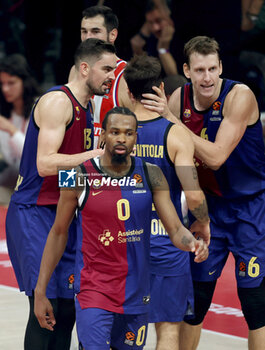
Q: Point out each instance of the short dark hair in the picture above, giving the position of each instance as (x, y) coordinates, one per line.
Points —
(91, 50)
(118, 110)
(202, 45)
(141, 74)
(110, 19)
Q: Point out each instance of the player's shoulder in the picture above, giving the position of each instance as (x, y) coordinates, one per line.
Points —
(240, 93)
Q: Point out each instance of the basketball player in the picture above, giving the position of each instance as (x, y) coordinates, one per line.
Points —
(171, 148)
(60, 133)
(112, 275)
(100, 22)
(222, 118)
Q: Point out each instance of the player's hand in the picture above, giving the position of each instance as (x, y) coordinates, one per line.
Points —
(156, 102)
(95, 153)
(201, 230)
(201, 251)
(44, 312)
(167, 33)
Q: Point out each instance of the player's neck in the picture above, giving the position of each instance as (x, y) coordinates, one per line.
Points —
(82, 95)
(143, 113)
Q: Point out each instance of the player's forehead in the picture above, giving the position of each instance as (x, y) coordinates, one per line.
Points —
(93, 22)
(107, 60)
(199, 60)
(121, 122)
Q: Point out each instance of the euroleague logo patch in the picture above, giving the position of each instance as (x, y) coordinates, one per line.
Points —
(217, 106)
(139, 180)
(129, 338)
(71, 280)
(242, 269)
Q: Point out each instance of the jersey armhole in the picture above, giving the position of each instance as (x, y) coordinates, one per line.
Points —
(147, 175)
(85, 193)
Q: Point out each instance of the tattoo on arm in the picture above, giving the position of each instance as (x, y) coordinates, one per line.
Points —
(201, 212)
(195, 174)
(185, 240)
(155, 175)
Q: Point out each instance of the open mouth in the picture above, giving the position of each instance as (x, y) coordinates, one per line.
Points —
(207, 87)
(120, 149)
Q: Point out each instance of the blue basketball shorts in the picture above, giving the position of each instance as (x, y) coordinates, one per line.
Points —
(99, 329)
(237, 227)
(27, 228)
(171, 298)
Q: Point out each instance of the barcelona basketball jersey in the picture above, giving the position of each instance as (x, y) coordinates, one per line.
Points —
(113, 240)
(243, 173)
(151, 145)
(34, 189)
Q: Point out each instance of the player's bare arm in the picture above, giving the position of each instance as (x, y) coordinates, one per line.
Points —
(181, 150)
(53, 251)
(240, 110)
(179, 235)
(52, 115)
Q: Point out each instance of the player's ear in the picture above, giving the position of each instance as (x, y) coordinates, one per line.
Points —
(186, 70)
(221, 67)
(113, 35)
(84, 68)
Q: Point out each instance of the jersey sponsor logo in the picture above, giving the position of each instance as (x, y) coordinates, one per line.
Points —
(152, 151)
(67, 178)
(215, 119)
(187, 113)
(129, 236)
(96, 193)
(139, 191)
(217, 105)
(106, 238)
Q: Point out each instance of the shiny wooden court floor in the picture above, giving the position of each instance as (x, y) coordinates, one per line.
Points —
(14, 311)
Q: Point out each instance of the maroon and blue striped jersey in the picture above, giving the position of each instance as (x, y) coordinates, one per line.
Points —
(243, 173)
(113, 240)
(31, 187)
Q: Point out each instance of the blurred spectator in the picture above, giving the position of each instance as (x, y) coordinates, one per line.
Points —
(155, 37)
(17, 94)
(252, 51)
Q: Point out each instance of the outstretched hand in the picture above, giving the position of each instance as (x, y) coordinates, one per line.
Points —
(201, 250)
(44, 312)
